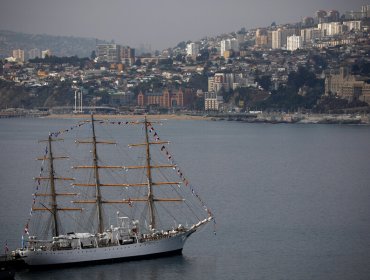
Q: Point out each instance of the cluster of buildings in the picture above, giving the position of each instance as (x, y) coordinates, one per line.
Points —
(342, 83)
(166, 99)
(235, 60)
(323, 35)
(19, 55)
(114, 53)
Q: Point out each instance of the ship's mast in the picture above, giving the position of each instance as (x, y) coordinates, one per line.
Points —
(97, 180)
(53, 193)
(149, 178)
(54, 208)
(149, 198)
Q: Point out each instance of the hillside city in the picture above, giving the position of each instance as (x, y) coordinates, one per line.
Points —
(318, 65)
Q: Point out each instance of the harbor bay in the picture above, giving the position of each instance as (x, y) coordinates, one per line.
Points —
(290, 201)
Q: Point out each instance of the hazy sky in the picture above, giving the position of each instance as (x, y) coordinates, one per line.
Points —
(160, 23)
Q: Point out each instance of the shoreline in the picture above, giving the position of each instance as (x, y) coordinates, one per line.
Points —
(248, 118)
(272, 118)
(126, 116)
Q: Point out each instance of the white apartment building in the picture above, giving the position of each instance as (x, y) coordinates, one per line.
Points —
(18, 55)
(294, 42)
(330, 28)
(279, 38)
(212, 102)
(192, 49)
(107, 52)
(365, 10)
(310, 34)
(353, 25)
(229, 44)
(33, 53)
(211, 84)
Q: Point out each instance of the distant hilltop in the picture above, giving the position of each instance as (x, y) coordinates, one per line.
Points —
(60, 45)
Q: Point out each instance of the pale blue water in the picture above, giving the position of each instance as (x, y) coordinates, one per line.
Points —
(291, 201)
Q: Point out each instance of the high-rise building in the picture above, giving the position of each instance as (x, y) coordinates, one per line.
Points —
(308, 21)
(219, 82)
(192, 49)
(353, 25)
(365, 10)
(276, 39)
(279, 38)
(354, 15)
(127, 55)
(107, 52)
(229, 44)
(310, 34)
(321, 16)
(294, 42)
(18, 55)
(333, 15)
(261, 38)
(33, 53)
(330, 28)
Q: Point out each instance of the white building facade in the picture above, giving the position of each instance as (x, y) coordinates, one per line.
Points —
(294, 42)
(192, 49)
(18, 55)
(212, 101)
(229, 44)
(330, 28)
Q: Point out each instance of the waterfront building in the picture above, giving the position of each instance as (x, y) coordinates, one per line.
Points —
(211, 84)
(122, 98)
(347, 86)
(212, 101)
(166, 99)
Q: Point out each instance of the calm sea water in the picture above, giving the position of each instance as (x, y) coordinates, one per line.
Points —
(291, 201)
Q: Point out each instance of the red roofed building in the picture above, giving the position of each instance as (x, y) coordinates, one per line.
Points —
(166, 98)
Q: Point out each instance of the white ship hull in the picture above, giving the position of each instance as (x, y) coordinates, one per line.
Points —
(166, 246)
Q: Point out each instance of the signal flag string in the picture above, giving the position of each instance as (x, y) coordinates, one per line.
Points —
(180, 174)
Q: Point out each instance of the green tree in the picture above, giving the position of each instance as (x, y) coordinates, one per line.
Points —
(264, 81)
(93, 55)
(198, 81)
(138, 62)
(288, 98)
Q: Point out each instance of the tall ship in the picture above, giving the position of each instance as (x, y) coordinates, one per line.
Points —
(117, 202)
